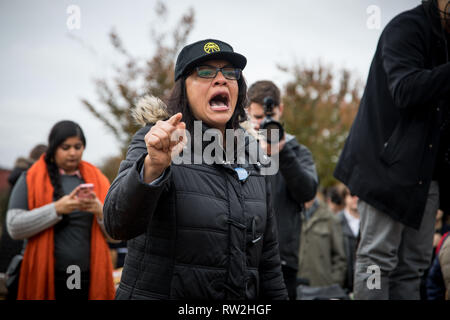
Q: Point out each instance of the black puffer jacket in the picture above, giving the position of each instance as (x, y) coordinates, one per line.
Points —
(199, 233)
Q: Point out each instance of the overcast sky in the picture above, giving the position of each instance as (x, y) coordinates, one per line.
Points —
(44, 72)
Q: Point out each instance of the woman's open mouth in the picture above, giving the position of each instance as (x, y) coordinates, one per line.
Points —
(220, 102)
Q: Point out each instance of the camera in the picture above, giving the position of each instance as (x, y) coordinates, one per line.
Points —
(269, 123)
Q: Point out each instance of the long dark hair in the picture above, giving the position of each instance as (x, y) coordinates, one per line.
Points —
(178, 102)
(60, 132)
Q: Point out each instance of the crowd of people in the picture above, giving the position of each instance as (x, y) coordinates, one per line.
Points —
(197, 212)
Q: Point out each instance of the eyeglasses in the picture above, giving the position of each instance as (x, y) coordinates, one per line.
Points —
(210, 72)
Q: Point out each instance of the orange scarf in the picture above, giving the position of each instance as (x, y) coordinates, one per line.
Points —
(37, 274)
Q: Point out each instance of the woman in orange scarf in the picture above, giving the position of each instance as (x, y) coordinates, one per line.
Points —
(66, 255)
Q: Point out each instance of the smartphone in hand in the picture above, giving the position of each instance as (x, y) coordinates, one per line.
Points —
(85, 190)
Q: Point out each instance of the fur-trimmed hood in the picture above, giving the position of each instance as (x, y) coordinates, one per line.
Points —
(150, 109)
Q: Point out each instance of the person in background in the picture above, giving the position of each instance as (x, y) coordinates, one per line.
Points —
(438, 278)
(294, 184)
(442, 226)
(322, 258)
(335, 198)
(9, 247)
(349, 218)
(22, 164)
(444, 260)
(64, 232)
(430, 274)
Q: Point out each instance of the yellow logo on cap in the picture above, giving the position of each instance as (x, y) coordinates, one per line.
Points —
(211, 47)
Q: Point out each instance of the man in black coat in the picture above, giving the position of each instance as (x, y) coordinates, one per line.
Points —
(396, 158)
(350, 220)
(294, 184)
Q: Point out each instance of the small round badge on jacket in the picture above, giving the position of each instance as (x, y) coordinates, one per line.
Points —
(242, 173)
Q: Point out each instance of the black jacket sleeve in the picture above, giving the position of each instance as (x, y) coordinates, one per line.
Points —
(299, 171)
(272, 283)
(404, 54)
(130, 202)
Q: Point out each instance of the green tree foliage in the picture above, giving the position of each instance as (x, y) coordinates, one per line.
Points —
(137, 77)
(319, 110)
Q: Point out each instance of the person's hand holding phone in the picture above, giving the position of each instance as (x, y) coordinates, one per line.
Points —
(89, 201)
(68, 203)
(85, 191)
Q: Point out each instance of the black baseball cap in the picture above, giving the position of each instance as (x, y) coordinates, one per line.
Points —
(203, 50)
